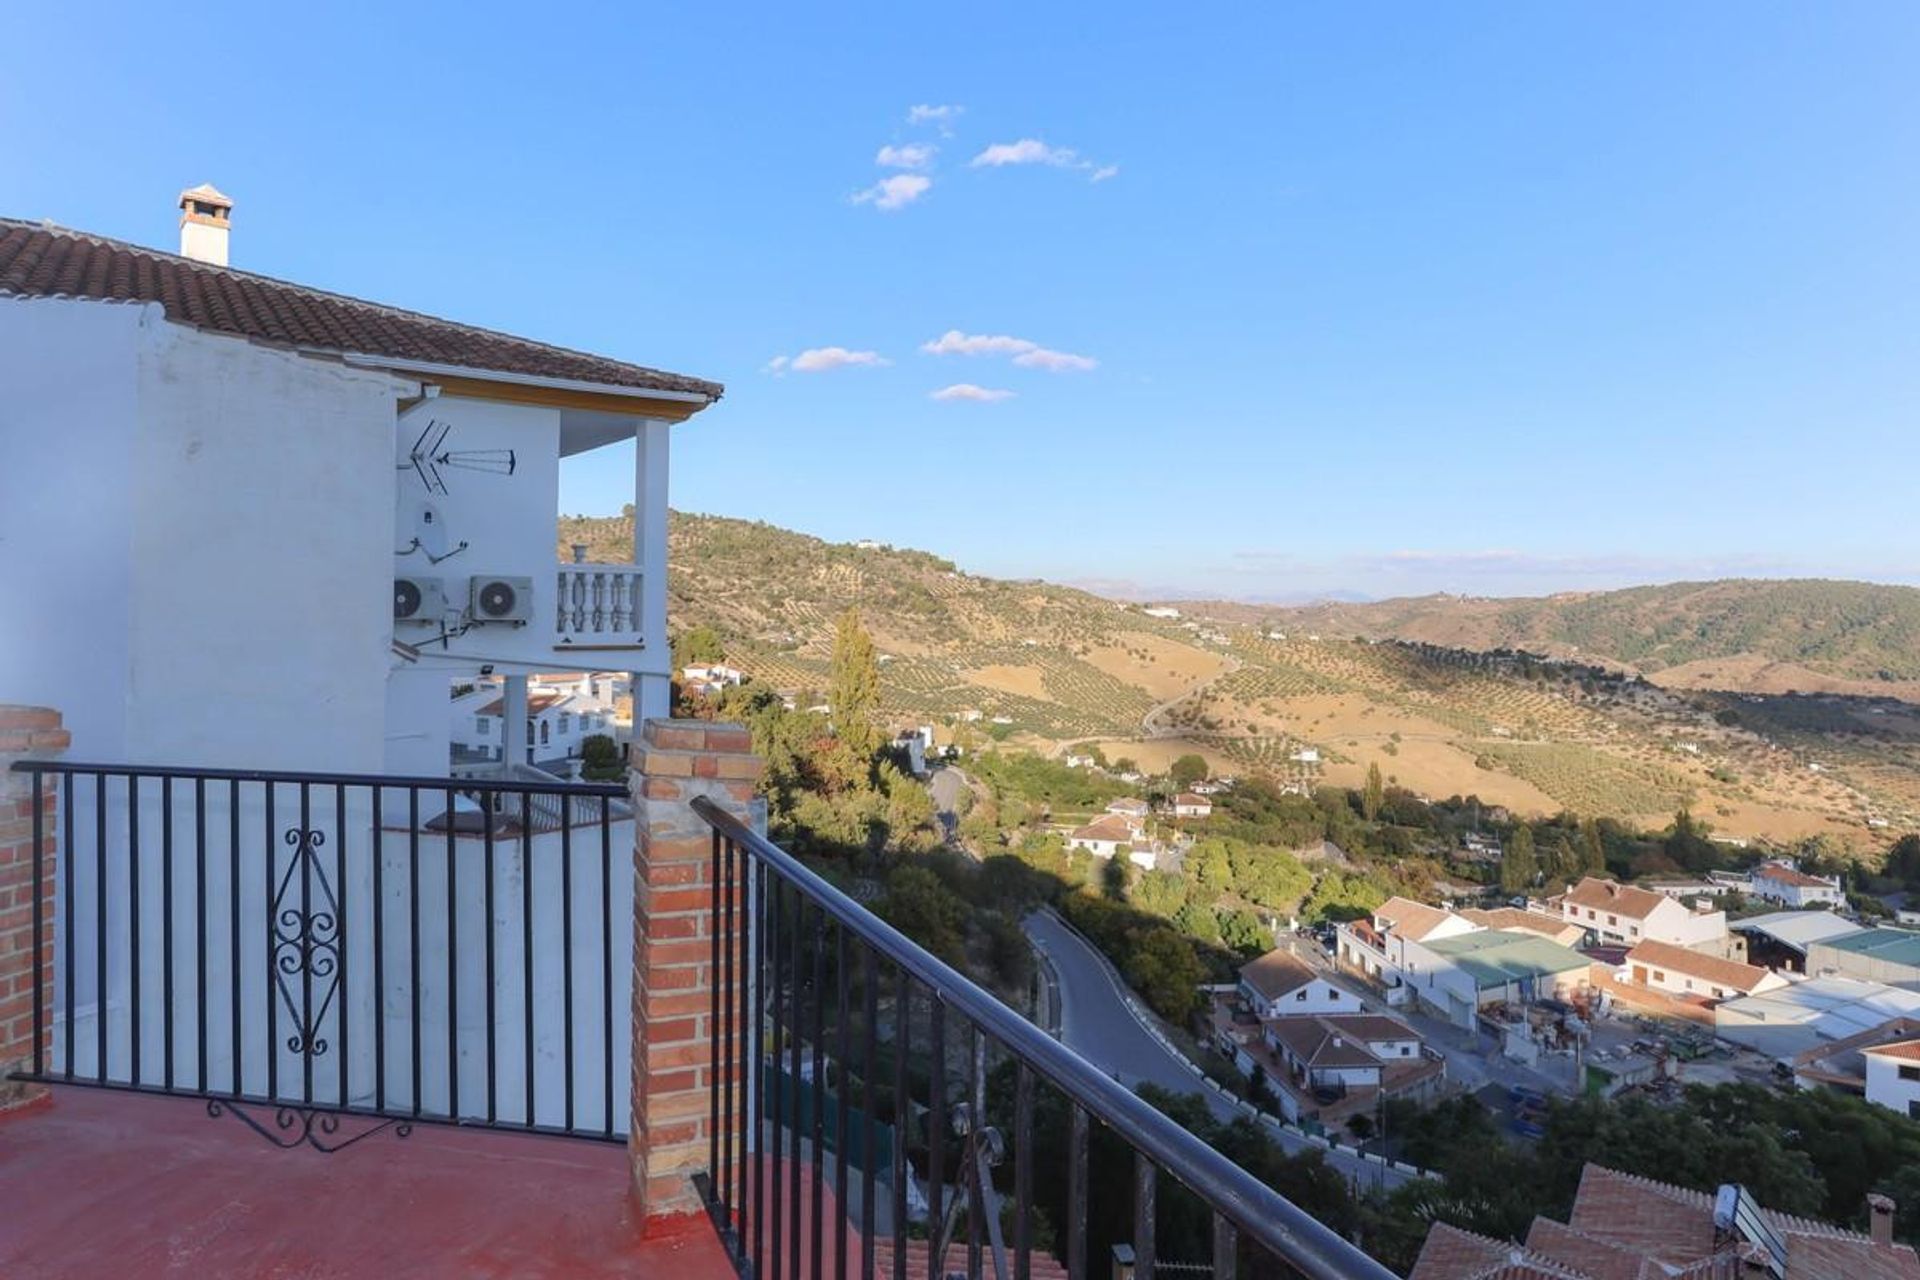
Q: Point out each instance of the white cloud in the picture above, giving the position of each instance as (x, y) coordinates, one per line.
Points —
(822, 359)
(942, 115)
(1025, 151)
(1025, 352)
(895, 193)
(968, 391)
(1034, 151)
(1055, 361)
(912, 155)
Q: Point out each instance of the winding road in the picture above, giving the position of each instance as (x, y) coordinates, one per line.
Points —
(1098, 1021)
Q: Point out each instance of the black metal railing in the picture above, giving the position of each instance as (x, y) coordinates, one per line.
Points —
(315, 946)
(847, 1053)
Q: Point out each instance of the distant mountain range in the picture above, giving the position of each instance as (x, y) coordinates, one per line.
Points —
(1762, 635)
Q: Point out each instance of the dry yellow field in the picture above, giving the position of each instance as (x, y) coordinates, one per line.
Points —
(1167, 669)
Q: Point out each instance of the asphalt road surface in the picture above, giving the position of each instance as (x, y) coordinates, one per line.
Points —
(1096, 1023)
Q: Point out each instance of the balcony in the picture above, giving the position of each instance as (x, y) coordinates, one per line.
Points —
(287, 1032)
(598, 606)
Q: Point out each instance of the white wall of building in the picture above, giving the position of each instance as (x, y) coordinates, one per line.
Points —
(1317, 996)
(1893, 1083)
(202, 520)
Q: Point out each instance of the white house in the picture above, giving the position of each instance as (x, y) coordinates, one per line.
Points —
(207, 444)
(1130, 807)
(1662, 966)
(1189, 805)
(1161, 611)
(1104, 837)
(1893, 1076)
(1786, 884)
(1280, 984)
(558, 722)
(269, 529)
(711, 677)
(1620, 913)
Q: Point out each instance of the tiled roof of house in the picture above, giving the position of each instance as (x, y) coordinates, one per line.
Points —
(1277, 973)
(1781, 873)
(1715, 969)
(1453, 1254)
(1905, 1050)
(1322, 1042)
(1514, 920)
(45, 261)
(1409, 919)
(1619, 899)
(1631, 1228)
(1112, 827)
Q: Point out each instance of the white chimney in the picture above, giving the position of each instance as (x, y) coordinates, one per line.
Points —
(205, 217)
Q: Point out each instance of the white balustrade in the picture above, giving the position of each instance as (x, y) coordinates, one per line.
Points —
(598, 604)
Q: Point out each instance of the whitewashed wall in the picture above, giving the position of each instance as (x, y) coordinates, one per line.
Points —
(198, 526)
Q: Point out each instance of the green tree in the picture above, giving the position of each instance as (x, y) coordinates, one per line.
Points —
(853, 690)
(919, 904)
(1159, 893)
(696, 646)
(1593, 850)
(600, 759)
(1187, 770)
(1903, 861)
(1162, 968)
(1375, 793)
(1518, 866)
(1198, 923)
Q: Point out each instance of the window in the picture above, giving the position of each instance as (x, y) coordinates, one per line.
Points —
(1301, 994)
(1689, 984)
(1613, 920)
(566, 721)
(483, 726)
(1633, 930)
(1658, 976)
(1590, 914)
(1406, 1051)
(1913, 1110)
(1719, 993)
(1910, 1073)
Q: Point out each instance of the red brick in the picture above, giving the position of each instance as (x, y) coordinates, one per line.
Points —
(14, 716)
(678, 737)
(729, 737)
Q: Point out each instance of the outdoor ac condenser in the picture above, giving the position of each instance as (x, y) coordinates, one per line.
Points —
(422, 600)
(508, 600)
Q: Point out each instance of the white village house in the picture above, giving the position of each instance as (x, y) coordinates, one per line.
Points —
(269, 529)
(1619, 913)
(1279, 984)
(365, 495)
(1786, 884)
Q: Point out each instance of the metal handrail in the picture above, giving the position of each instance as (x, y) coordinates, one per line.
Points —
(1262, 1214)
(386, 781)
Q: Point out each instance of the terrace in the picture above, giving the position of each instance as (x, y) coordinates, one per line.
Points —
(260, 1027)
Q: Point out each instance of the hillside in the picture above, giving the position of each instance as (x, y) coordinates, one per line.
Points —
(1761, 635)
(1292, 693)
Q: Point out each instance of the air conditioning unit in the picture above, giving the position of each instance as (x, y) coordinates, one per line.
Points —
(422, 600)
(501, 600)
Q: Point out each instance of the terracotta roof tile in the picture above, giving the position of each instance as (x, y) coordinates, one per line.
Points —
(1409, 919)
(1277, 973)
(40, 260)
(1907, 1050)
(1620, 899)
(1716, 969)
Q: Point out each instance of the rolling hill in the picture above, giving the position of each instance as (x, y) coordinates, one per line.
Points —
(1317, 694)
(1755, 634)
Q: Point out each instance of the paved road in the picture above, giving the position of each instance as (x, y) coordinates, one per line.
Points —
(948, 784)
(1096, 1022)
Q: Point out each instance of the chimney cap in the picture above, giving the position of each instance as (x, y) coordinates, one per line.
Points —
(206, 193)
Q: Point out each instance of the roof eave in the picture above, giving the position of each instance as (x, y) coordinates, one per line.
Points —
(565, 393)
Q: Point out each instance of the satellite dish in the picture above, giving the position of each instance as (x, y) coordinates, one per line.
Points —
(430, 527)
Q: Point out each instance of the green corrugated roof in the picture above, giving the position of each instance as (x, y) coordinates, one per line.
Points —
(1898, 946)
(1493, 958)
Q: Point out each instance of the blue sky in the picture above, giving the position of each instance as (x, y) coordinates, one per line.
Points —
(1377, 298)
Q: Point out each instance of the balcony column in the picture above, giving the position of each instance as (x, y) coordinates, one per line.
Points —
(652, 685)
(513, 722)
(26, 733)
(674, 1066)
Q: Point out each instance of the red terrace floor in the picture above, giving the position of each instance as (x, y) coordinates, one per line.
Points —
(109, 1184)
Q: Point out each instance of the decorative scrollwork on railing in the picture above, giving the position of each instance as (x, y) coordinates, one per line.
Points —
(306, 941)
(292, 1126)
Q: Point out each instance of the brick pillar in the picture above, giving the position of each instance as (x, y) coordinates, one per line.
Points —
(25, 732)
(673, 1044)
